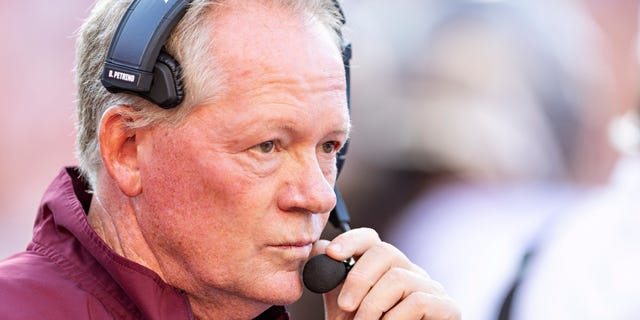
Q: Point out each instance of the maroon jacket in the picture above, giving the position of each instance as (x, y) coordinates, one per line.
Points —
(68, 272)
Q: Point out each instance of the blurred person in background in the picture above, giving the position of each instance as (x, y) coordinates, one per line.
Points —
(585, 266)
(496, 117)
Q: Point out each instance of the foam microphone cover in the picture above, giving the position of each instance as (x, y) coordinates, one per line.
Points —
(322, 274)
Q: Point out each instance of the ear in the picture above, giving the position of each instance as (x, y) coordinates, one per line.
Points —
(118, 148)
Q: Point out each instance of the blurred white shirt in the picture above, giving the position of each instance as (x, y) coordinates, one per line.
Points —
(588, 266)
(471, 237)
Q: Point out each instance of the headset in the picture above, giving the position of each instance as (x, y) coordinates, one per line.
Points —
(136, 63)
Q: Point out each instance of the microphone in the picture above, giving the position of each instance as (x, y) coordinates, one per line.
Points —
(321, 273)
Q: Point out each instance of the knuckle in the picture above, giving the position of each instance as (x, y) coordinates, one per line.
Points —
(419, 270)
(369, 306)
(397, 275)
(387, 249)
(434, 306)
(392, 254)
(360, 279)
(370, 233)
(419, 301)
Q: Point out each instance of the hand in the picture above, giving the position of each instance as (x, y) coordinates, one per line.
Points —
(383, 284)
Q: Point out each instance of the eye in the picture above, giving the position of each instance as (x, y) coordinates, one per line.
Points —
(329, 147)
(266, 147)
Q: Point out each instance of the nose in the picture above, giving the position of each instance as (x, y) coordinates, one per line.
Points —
(307, 188)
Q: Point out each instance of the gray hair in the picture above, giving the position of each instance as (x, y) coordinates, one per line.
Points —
(190, 43)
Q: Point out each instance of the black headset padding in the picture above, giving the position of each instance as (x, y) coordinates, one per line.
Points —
(170, 92)
(132, 64)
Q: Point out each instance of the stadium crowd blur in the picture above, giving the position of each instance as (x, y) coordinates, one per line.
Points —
(486, 130)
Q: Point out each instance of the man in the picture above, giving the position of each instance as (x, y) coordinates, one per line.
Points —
(209, 210)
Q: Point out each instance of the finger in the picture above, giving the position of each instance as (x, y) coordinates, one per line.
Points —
(424, 306)
(396, 285)
(319, 247)
(369, 269)
(344, 246)
(352, 243)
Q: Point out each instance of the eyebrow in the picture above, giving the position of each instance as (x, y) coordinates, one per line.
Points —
(345, 130)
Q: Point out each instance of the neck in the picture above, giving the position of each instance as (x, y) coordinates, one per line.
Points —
(119, 229)
(225, 307)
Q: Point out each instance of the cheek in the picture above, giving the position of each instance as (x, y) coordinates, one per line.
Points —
(197, 212)
(178, 171)
(186, 187)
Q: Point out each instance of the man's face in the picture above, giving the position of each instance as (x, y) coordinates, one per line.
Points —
(233, 198)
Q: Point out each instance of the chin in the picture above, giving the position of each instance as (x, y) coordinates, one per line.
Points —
(284, 290)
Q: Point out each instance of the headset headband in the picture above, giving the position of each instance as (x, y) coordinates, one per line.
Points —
(131, 61)
(136, 65)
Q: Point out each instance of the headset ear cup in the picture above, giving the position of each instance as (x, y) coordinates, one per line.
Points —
(166, 60)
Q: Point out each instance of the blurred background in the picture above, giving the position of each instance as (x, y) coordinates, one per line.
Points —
(481, 131)
(37, 112)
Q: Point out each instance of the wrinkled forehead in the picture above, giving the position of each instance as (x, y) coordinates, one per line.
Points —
(250, 44)
(242, 25)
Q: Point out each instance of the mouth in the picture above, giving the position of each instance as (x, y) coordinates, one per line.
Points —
(293, 244)
(296, 249)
